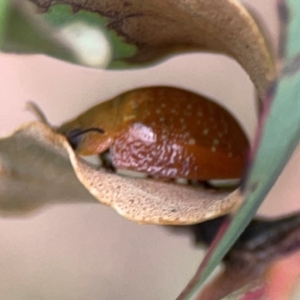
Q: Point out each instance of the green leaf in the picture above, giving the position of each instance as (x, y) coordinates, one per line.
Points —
(276, 140)
(21, 32)
(4, 7)
(63, 18)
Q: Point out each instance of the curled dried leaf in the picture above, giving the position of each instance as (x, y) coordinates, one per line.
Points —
(37, 160)
(34, 172)
(157, 28)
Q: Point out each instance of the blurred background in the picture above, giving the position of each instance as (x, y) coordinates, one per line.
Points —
(87, 251)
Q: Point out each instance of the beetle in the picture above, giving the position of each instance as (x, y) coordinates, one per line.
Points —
(164, 132)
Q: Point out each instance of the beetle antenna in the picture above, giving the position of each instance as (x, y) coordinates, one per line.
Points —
(33, 108)
(92, 129)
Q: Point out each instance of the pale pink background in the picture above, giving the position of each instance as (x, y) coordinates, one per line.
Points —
(87, 251)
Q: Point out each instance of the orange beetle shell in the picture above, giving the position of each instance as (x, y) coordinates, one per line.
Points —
(165, 132)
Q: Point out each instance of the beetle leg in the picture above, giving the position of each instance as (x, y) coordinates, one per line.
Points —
(207, 185)
(204, 183)
(106, 161)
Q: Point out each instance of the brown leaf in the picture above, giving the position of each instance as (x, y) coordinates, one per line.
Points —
(35, 170)
(162, 27)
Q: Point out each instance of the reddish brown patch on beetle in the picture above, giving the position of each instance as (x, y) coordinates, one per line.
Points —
(169, 132)
(179, 134)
